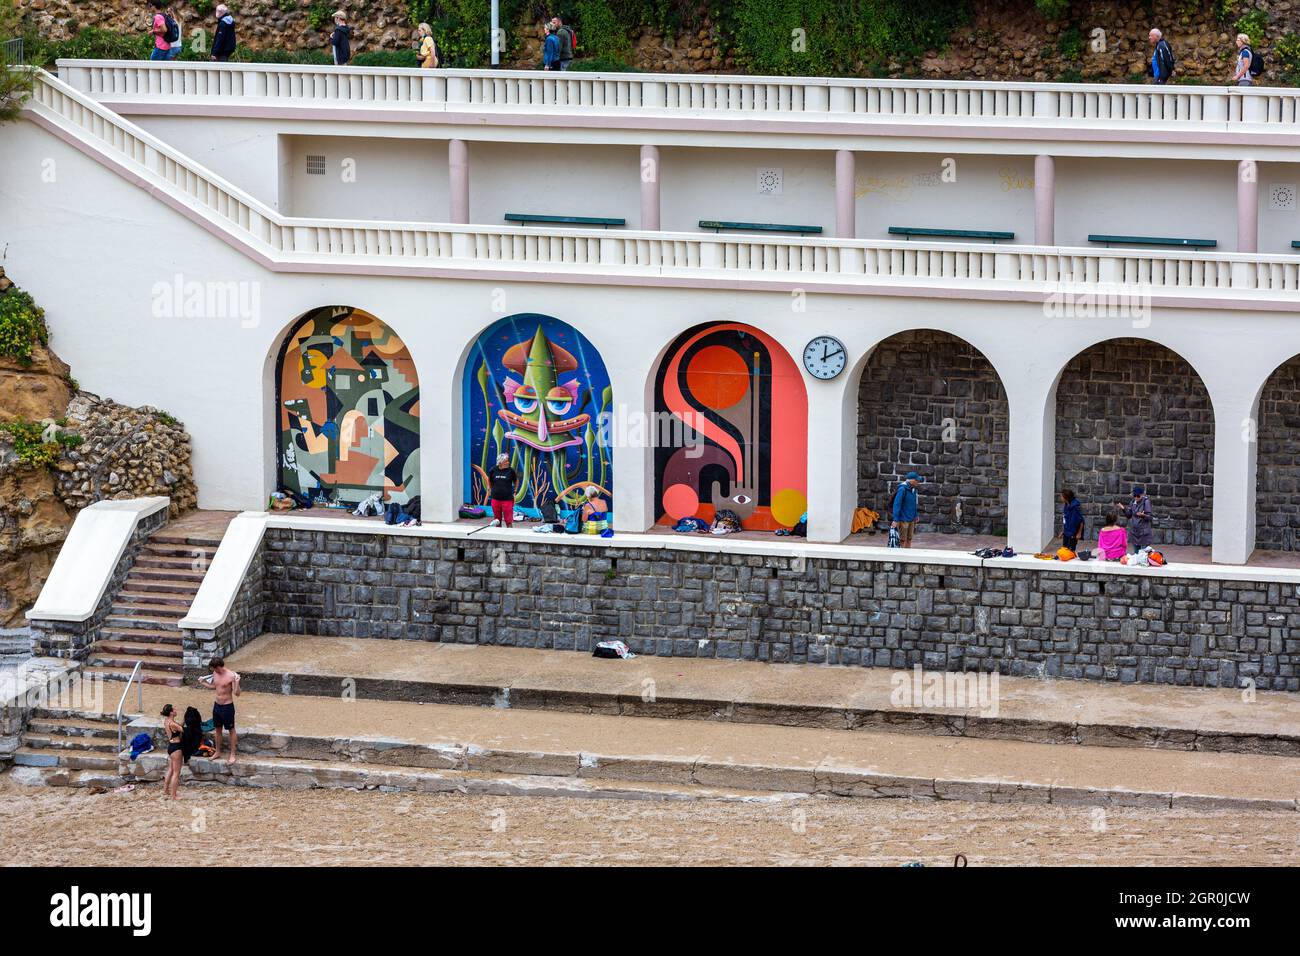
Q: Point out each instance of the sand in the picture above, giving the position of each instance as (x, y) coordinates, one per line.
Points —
(59, 826)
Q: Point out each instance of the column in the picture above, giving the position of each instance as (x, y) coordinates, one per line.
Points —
(832, 457)
(1247, 207)
(458, 166)
(1235, 449)
(1031, 466)
(650, 188)
(1044, 201)
(845, 201)
(632, 440)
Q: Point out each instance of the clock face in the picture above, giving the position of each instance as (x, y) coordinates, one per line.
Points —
(824, 357)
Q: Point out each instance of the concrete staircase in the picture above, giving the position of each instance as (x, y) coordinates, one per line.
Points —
(142, 622)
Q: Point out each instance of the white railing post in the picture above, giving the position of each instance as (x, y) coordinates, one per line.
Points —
(304, 239)
(460, 244)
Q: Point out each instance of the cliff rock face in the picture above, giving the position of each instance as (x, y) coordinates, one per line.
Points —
(1097, 40)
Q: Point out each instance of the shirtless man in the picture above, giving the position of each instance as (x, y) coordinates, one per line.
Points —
(225, 683)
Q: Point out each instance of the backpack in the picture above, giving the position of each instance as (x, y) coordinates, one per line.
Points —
(1173, 62)
(171, 31)
(1256, 62)
(573, 522)
(568, 42)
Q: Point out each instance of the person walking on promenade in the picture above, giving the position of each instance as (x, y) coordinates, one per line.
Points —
(502, 481)
(568, 42)
(223, 41)
(904, 509)
(341, 39)
(1245, 74)
(1071, 520)
(1162, 57)
(225, 685)
(550, 49)
(166, 32)
(426, 49)
(1138, 518)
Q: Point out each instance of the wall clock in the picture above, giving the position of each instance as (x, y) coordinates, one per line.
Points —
(824, 357)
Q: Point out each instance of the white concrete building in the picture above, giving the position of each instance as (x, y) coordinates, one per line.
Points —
(180, 222)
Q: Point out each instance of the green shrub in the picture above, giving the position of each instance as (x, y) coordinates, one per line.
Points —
(29, 447)
(387, 58)
(1052, 9)
(1286, 59)
(22, 325)
(1071, 43)
(599, 64)
(1255, 25)
(602, 34)
(1070, 75)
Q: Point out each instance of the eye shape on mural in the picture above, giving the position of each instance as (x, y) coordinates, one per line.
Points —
(559, 406)
(525, 405)
(742, 499)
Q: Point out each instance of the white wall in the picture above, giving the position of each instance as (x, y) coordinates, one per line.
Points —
(722, 184)
(246, 152)
(101, 256)
(1278, 228)
(931, 190)
(553, 180)
(367, 178)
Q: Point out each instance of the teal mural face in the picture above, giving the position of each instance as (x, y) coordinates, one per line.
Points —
(348, 409)
(537, 391)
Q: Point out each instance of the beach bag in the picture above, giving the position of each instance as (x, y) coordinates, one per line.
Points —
(472, 511)
(573, 522)
(1065, 554)
(1156, 559)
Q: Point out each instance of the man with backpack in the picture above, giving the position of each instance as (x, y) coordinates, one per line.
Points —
(568, 42)
(903, 510)
(166, 33)
(1162, 57)
(1249, 63)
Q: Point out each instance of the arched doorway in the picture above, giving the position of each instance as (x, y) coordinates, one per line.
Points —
(536, 389)
(348, 409)
(930, 402)
(1132, 412)
(732, 404)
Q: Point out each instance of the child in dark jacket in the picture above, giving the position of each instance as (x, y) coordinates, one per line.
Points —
(1071, 520)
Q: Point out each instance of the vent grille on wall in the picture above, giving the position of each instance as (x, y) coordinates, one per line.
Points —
(315, 165)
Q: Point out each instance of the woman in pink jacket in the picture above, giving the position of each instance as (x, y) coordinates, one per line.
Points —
(1112, 540)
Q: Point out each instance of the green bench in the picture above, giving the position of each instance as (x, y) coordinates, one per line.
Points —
(989, 234)
(717, 226)
(524, 217)
(1295, 243)
(1155, 241)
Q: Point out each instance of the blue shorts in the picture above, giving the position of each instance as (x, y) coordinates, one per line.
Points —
(223, 716)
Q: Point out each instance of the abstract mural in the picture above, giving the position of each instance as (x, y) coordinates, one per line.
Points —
(535, 389)
(349, 409)
(741, 402)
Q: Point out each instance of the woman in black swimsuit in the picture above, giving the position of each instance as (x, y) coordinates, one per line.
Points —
(173, 731)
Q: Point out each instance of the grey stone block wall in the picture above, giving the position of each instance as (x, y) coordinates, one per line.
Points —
(931, 403)
(1277, 482)
(70, 639)
(1128, 412)
(560, 595)
(244, 622)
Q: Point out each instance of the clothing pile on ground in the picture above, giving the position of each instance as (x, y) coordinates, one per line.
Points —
(612, 649)
(691, 526)
(1007, 552)
(725, 521)
(864, 519)
(800, 530)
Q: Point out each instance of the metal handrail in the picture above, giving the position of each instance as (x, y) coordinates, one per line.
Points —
(122, 703)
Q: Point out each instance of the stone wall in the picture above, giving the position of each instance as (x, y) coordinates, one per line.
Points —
(244, 622)
(1277, 482)
(69, 639)
(1003, 39)
(1130, 412)
(932, 403)
(1054, 623)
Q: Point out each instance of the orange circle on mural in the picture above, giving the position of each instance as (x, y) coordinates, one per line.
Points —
(680, 501)
(788, 506)
(717, 377)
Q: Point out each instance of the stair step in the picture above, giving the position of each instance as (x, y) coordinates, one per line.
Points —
(156, 611)
(165, 599)
(83, 717)
(147, 675)
(177, 537)
(72, 760)
(98, 658)
(72, 727)
(119, 623)
(190, 551)
(135, 650)
(177, 575)
(140, 635)
(137, 584)
(97, 745)
(163, 562)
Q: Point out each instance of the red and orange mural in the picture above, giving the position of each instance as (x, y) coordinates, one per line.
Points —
(742, 397)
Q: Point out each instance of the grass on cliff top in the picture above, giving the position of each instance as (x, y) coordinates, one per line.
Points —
(22, 325)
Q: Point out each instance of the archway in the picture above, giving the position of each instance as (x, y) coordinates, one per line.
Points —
(347, 409)
(1277, 475)
(535, 389)
(732, 429)
(930, 402)
(1132, 412)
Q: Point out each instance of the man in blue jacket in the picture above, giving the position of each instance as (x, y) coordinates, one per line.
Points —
(223, 41)
(1162, 58)
(904, 510)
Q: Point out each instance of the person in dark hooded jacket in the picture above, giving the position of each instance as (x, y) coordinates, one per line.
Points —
(223, 41)
(1140, 518)
(1071, 520)
(341, 39)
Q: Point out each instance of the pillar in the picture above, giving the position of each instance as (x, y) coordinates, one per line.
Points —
(458, 165)
(1044, 201)
(832, 457)
(845, 201)
(1247, 208)
(1235, 458)
(650, 188)
(1031, 466)
(632, 439)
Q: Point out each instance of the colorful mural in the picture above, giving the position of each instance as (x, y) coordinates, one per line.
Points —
(741, 405)
(349, 409)
(537, 390)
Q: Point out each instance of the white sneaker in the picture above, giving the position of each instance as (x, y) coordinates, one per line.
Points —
(495, 523)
